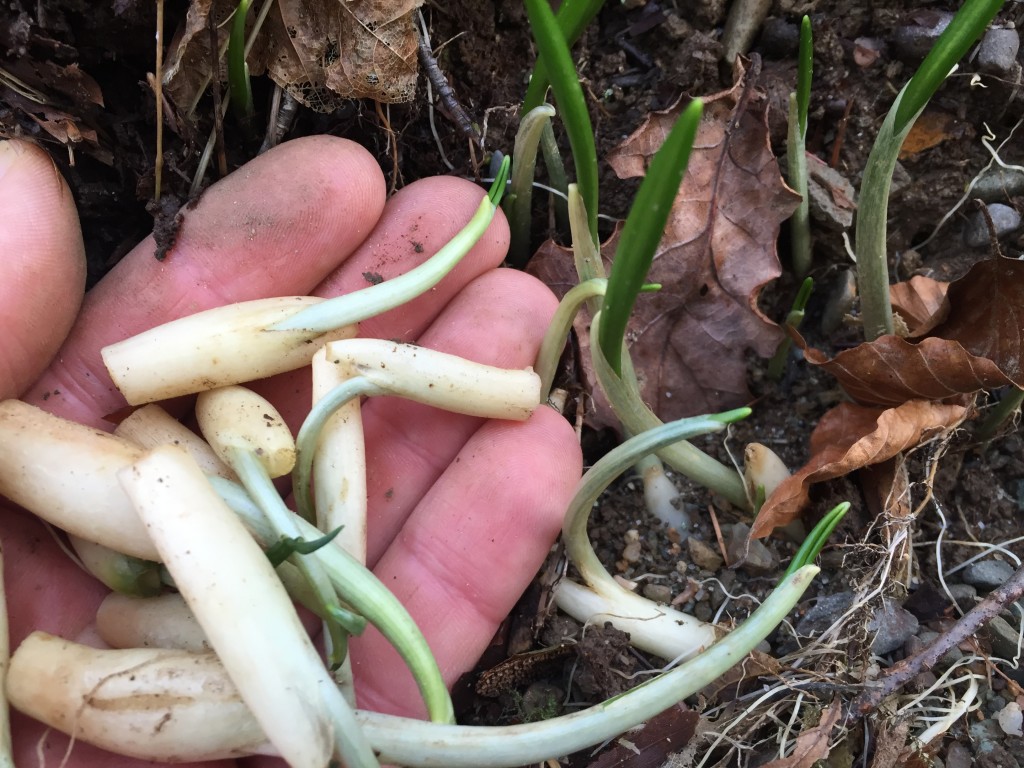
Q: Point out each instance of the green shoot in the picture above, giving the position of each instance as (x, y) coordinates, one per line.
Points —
(238, 71)
(288, 546)
(376, 299)
(552, 47)
(572, 18)
(873, 205)
(517, 204)
(816, 539)
(793, 320)
(806, 68)
(796, 157)
(1001, 413)
(642, 232)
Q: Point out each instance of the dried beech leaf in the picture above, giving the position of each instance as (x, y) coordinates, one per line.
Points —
(321, 51)
(813, 743)
(986, 314)
(849, 437)
(918, 300)
(689, 340)
(891, 370)
(972, 341)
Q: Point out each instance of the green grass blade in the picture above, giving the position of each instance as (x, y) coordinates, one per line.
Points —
(643, 230)
(805, 69)
(565, 83)
(238, 71)
(572, 18)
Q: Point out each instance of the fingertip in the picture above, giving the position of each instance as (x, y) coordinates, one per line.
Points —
(42, 263)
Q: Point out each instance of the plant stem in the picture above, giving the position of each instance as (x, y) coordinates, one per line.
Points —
(377, 299)
(571, 102)
(400, 740)
(873, 202)
(518, 203)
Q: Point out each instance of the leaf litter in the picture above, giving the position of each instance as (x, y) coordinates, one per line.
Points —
(689, 340)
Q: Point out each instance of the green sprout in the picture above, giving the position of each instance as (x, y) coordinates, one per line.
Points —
(552, 46)
(643, 230)
(796, 157)
(238, 71)
(873, 204)
(793, 320)
(816, 539)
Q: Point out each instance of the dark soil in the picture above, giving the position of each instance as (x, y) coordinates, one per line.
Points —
(638, 57)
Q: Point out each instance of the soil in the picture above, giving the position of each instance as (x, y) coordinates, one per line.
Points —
(638, 57)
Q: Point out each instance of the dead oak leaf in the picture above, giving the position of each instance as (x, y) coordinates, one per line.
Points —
(849, 437)
(688, 341)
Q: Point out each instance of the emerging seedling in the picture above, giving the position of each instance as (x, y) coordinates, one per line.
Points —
(796, 151)
(873, 201)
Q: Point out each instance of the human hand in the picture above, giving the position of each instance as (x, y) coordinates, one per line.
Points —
(461, 511)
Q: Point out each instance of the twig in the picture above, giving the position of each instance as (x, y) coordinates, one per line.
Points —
(158, 164)
(904, 671)
(444, 90)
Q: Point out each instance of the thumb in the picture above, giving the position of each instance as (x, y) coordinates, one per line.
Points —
(42, 264)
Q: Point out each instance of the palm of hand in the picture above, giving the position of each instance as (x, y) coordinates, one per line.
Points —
(452, 500)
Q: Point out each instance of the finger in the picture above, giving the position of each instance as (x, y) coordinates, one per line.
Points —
(275, 227)
(469, 551)
(499, 319)
(42, 264)
(417, 221)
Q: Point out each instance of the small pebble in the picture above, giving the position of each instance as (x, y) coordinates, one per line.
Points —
(824, 614)
(703, 555)
(749, 554)
(987, 575)
(914, 41)
(1004, 638)
(958, 756)
(1011, 719)
(891, 625)
(965, 595)
(659, 593)
(631, 552)
(998, 52)
(1004, 219)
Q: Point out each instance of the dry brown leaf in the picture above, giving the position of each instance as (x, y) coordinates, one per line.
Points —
(918, 300)
(812, 744)
(929, 130)
(849, 437)
(688, 341)
(321, 51)
(972, 341)
(648, 746)
(986, 314)
(891, 370)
